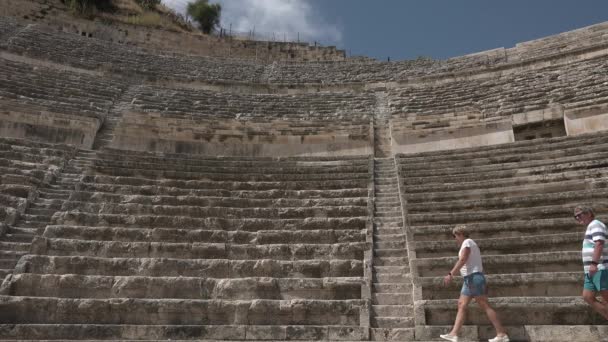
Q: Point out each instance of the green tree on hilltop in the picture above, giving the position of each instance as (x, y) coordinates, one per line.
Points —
(205, 14)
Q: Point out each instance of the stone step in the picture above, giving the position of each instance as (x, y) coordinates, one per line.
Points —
(404, 298)
(168, 267)
(196, 211)
(391, 261)
(540, 146)
(385, 209)
(556, 284)
(515, 311)
(392, 334)
(543, 211)
(175, 332)
(563, 261)
(174, 235)
(399, 252)
(119, 249)
(506, 159)
(396, 219)
(392, 278)
(7, 264)
(514, 176)
(391, 245)
(509, 191)
(385, 237)
(12, 237)
(211, 223)
(461, 188)
(392, 322)
(32, 225)
(11, 254)
(401, 269)
(167, 311)
(504, 245)
(41, 211)
(514, 228)
(42, 203)
(36, 218)
(390, 214)
(15, 246)
(396, 288)
(55, 196)
(395, 229)
(387, 201)
(392, 310)
(24, 231)
(102, 287)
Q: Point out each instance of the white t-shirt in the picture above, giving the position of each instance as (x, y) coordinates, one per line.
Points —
(473, 263)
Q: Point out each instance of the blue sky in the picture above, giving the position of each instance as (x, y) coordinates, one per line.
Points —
(406, 29)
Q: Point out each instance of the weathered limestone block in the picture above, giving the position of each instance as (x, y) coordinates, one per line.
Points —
(208, 236)
(214, 223)
(117, 249)
(218, 268)
(78, 286)
(187, 312)
(199, 211)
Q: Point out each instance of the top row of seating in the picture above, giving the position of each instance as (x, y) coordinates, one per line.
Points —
(91, 53)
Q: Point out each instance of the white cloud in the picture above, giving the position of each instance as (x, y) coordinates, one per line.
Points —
(278, 19)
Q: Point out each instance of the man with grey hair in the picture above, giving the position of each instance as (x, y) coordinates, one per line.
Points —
(595, 259)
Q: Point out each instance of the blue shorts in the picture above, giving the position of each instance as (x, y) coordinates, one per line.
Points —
(599, 282)
(474, 285)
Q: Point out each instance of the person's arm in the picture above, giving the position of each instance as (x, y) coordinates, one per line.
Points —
(461, 261)
(597, 256)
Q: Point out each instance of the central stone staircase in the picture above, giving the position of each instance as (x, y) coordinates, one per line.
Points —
(392, 309)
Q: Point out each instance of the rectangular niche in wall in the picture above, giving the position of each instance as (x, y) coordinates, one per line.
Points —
(539, 129)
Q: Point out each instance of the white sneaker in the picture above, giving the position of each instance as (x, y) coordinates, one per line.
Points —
(449, 337)
(504, 338)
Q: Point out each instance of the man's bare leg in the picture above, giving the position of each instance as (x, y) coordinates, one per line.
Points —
(601, 308)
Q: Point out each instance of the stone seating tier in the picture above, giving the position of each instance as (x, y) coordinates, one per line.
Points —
(8, 28)
(79, 286)
(25, 165)
(417, 107)
(212, 223)
(86, 188)
(184, 332)
(248, 239)
(261, 237)
(517, 200)
(93, 54)
(204, 268)
(56, 91)
(187, 312)
(201, 103)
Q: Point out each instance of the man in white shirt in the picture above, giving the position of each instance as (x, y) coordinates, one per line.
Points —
(471, 268)
(595, 259)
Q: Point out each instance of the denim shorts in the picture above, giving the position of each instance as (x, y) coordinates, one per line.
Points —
(599, 281)
(474, 285)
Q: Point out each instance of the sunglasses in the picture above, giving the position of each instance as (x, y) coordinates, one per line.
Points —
(578, 216)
